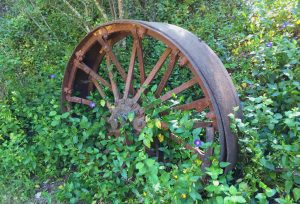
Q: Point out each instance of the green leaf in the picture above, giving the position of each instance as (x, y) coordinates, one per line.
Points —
(131, 116)
(139, 165)
(65, 115)
(84, 122)
(75, 139)
(261, 197)
(158, 124)
(238, 199)
(219, 200)
(296, 193)
(147, 142)
(55, 122)
(224, 164)
(153, 88)
(195, 195)
(288, 186)
(232, 190)
(211, 188)
(267, 164)
(52, 113)
(89, 150)
(102, 103)
(196, 132)
(149, 162)
(270, 192)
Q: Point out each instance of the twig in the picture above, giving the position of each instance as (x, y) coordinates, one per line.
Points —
(112, 9)
(66, 14)
(100, 10)
(43, 18)
(77, 14)
(34, 21)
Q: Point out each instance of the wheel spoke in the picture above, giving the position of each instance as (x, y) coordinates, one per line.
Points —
(101, 92)
(92, 73)
(162, 84)
(202, 124)
(141, 60)
(108, 49)
(95, 66)
(199, 105)
(113, 84)
(130, 70)
(183, 61)
(179, 89)
(152, 73)
(79, 100)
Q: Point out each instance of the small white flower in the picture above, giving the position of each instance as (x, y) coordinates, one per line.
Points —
(38, 195)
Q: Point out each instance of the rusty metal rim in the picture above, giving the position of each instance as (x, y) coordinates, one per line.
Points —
(185, 51)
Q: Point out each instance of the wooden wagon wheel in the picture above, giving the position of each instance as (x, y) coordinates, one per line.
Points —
(95, 65)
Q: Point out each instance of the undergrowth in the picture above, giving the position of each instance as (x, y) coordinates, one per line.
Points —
(258, 42)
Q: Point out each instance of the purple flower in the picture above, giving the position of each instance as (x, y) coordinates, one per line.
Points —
(285, 24)
(52, 76)
(269, 44)
(197, 143)
(92, 104)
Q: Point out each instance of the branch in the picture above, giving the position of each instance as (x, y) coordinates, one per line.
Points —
(120, 7)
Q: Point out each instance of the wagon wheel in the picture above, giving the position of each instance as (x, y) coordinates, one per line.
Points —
(95, 65)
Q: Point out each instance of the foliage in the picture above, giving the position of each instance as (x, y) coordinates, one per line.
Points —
(258, 42)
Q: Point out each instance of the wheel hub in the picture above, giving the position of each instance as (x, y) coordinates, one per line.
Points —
(124, 110)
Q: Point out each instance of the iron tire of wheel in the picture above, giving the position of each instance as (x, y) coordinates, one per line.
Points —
(208, 71)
